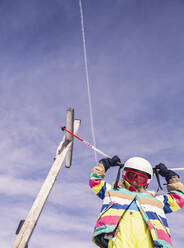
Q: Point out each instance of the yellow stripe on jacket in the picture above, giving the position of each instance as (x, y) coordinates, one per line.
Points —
(98, 187)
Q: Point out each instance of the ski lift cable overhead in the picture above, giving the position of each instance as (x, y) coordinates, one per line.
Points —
(87, 77)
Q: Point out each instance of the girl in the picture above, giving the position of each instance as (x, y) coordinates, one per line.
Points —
(131, 216)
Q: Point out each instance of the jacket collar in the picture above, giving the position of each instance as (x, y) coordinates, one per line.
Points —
(131, 188)
(128, 186)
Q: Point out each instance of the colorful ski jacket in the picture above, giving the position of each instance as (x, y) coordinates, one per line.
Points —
(152, 207)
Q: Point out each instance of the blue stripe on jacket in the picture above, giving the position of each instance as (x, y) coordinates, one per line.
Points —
(115, 206)
(167, 208)
(101, 193)
(153, 216)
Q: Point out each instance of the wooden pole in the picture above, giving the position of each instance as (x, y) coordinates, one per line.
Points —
(69, 126)
(37, 207)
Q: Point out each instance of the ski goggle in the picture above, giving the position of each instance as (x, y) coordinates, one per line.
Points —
(140, 178)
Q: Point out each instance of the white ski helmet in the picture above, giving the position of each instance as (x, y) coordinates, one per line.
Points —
(141, 164)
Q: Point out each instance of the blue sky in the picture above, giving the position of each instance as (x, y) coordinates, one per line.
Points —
(135, 60)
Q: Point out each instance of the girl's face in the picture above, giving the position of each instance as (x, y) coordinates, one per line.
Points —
(136, 178)
(137, 186)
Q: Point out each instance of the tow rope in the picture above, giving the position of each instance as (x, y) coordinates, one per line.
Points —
(155, 171)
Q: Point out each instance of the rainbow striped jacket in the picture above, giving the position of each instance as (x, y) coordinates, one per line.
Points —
(152, 207)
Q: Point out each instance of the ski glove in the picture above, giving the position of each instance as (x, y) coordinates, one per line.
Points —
(164, 172)
(109, 162)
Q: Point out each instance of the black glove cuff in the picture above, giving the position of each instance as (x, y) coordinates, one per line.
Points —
(106, 163)
(170, 174)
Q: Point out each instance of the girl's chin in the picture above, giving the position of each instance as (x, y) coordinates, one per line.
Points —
(137, 186)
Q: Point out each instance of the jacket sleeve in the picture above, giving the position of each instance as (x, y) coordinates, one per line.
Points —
(174, 199)
(97, 182)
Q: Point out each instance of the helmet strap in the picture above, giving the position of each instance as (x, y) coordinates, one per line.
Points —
(155, 171)
(118, 176)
